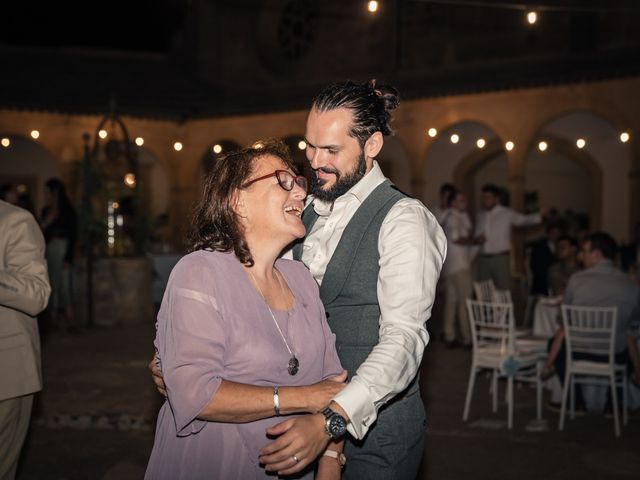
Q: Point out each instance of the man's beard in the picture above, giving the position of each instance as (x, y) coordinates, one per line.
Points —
(342, 184)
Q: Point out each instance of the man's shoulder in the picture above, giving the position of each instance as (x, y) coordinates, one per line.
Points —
(11, 216)
(410, 206)
(13, 212)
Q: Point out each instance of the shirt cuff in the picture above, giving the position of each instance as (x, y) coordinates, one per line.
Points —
(354, 399)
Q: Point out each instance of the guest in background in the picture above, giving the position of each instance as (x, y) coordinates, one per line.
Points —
(493, 231)
(9, 194)
(565, 265)
(457, 270)
(446, 190)
(24, 291)
(601, 284)
(543, 255)
(58, 221)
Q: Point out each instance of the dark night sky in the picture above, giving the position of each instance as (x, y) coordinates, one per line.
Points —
(138, 25)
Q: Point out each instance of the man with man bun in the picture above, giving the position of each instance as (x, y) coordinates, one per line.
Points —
(376, 254)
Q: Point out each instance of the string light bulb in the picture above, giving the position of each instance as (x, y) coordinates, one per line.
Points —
(542, 146)
(302, 145)
(509, 145)
(177, 146)
(139, 141)
(580, 143)
(455, 138)
(35, 134)
(102, 134)
(5, 142)
(432, 132)
(624, 137)
(372, 6)
(532, 17)
(130, 180)
(217, 148)
(480, 143)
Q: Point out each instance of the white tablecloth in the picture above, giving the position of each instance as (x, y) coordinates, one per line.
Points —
(546, 316)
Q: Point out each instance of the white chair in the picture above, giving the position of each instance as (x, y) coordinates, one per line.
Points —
(494, 346)
(500, 296)
(504, 296)
(592, 330)
(484, 290)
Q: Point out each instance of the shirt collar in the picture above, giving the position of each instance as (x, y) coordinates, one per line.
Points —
(360, 191)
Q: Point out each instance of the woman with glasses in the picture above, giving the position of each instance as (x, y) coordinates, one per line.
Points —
(242, 335)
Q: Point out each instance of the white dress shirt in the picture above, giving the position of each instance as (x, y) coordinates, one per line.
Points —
(412, 249)
(495, 225)
(456, 225)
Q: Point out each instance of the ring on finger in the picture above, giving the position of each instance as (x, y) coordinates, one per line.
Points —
(295, 459)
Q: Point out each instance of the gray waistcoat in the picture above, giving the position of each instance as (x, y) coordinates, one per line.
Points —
(393, 449)
(349, 286)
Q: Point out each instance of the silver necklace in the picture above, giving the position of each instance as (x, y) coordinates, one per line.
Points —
(294, 364)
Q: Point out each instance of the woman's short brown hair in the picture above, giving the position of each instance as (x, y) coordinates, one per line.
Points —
(216, 225)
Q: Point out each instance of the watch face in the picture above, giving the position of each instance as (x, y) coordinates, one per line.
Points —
(337, 426)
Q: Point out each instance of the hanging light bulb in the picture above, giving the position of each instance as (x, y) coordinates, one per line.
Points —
(542, 146)
(455, 138)
(130, 180)
(372, 6)
(481, 143)
(532, 17)
(509, 145)
(432, 132)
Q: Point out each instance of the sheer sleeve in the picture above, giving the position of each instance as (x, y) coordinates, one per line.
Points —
(191, 342)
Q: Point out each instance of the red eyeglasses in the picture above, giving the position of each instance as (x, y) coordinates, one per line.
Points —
(286, 180)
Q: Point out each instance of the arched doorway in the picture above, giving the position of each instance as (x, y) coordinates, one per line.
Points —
(587, 170)
(469, 154)
(395, 163)
(26, 165)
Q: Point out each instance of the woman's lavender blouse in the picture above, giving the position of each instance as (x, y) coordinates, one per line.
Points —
(214, 325)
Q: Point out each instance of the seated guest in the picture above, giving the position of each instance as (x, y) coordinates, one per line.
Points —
(565, 265)
(242, 336)
(602, 284)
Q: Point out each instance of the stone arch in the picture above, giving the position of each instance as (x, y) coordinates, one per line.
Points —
(458, 162)
(211, 155)
(294, 142)
(396, 163)
(26, 162)
(606, 160)
(585, 178)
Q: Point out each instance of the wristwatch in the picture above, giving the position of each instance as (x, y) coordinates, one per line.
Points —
(335, 423)
(339, 456)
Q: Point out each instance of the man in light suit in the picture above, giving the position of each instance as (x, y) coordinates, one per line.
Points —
(24, 292)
